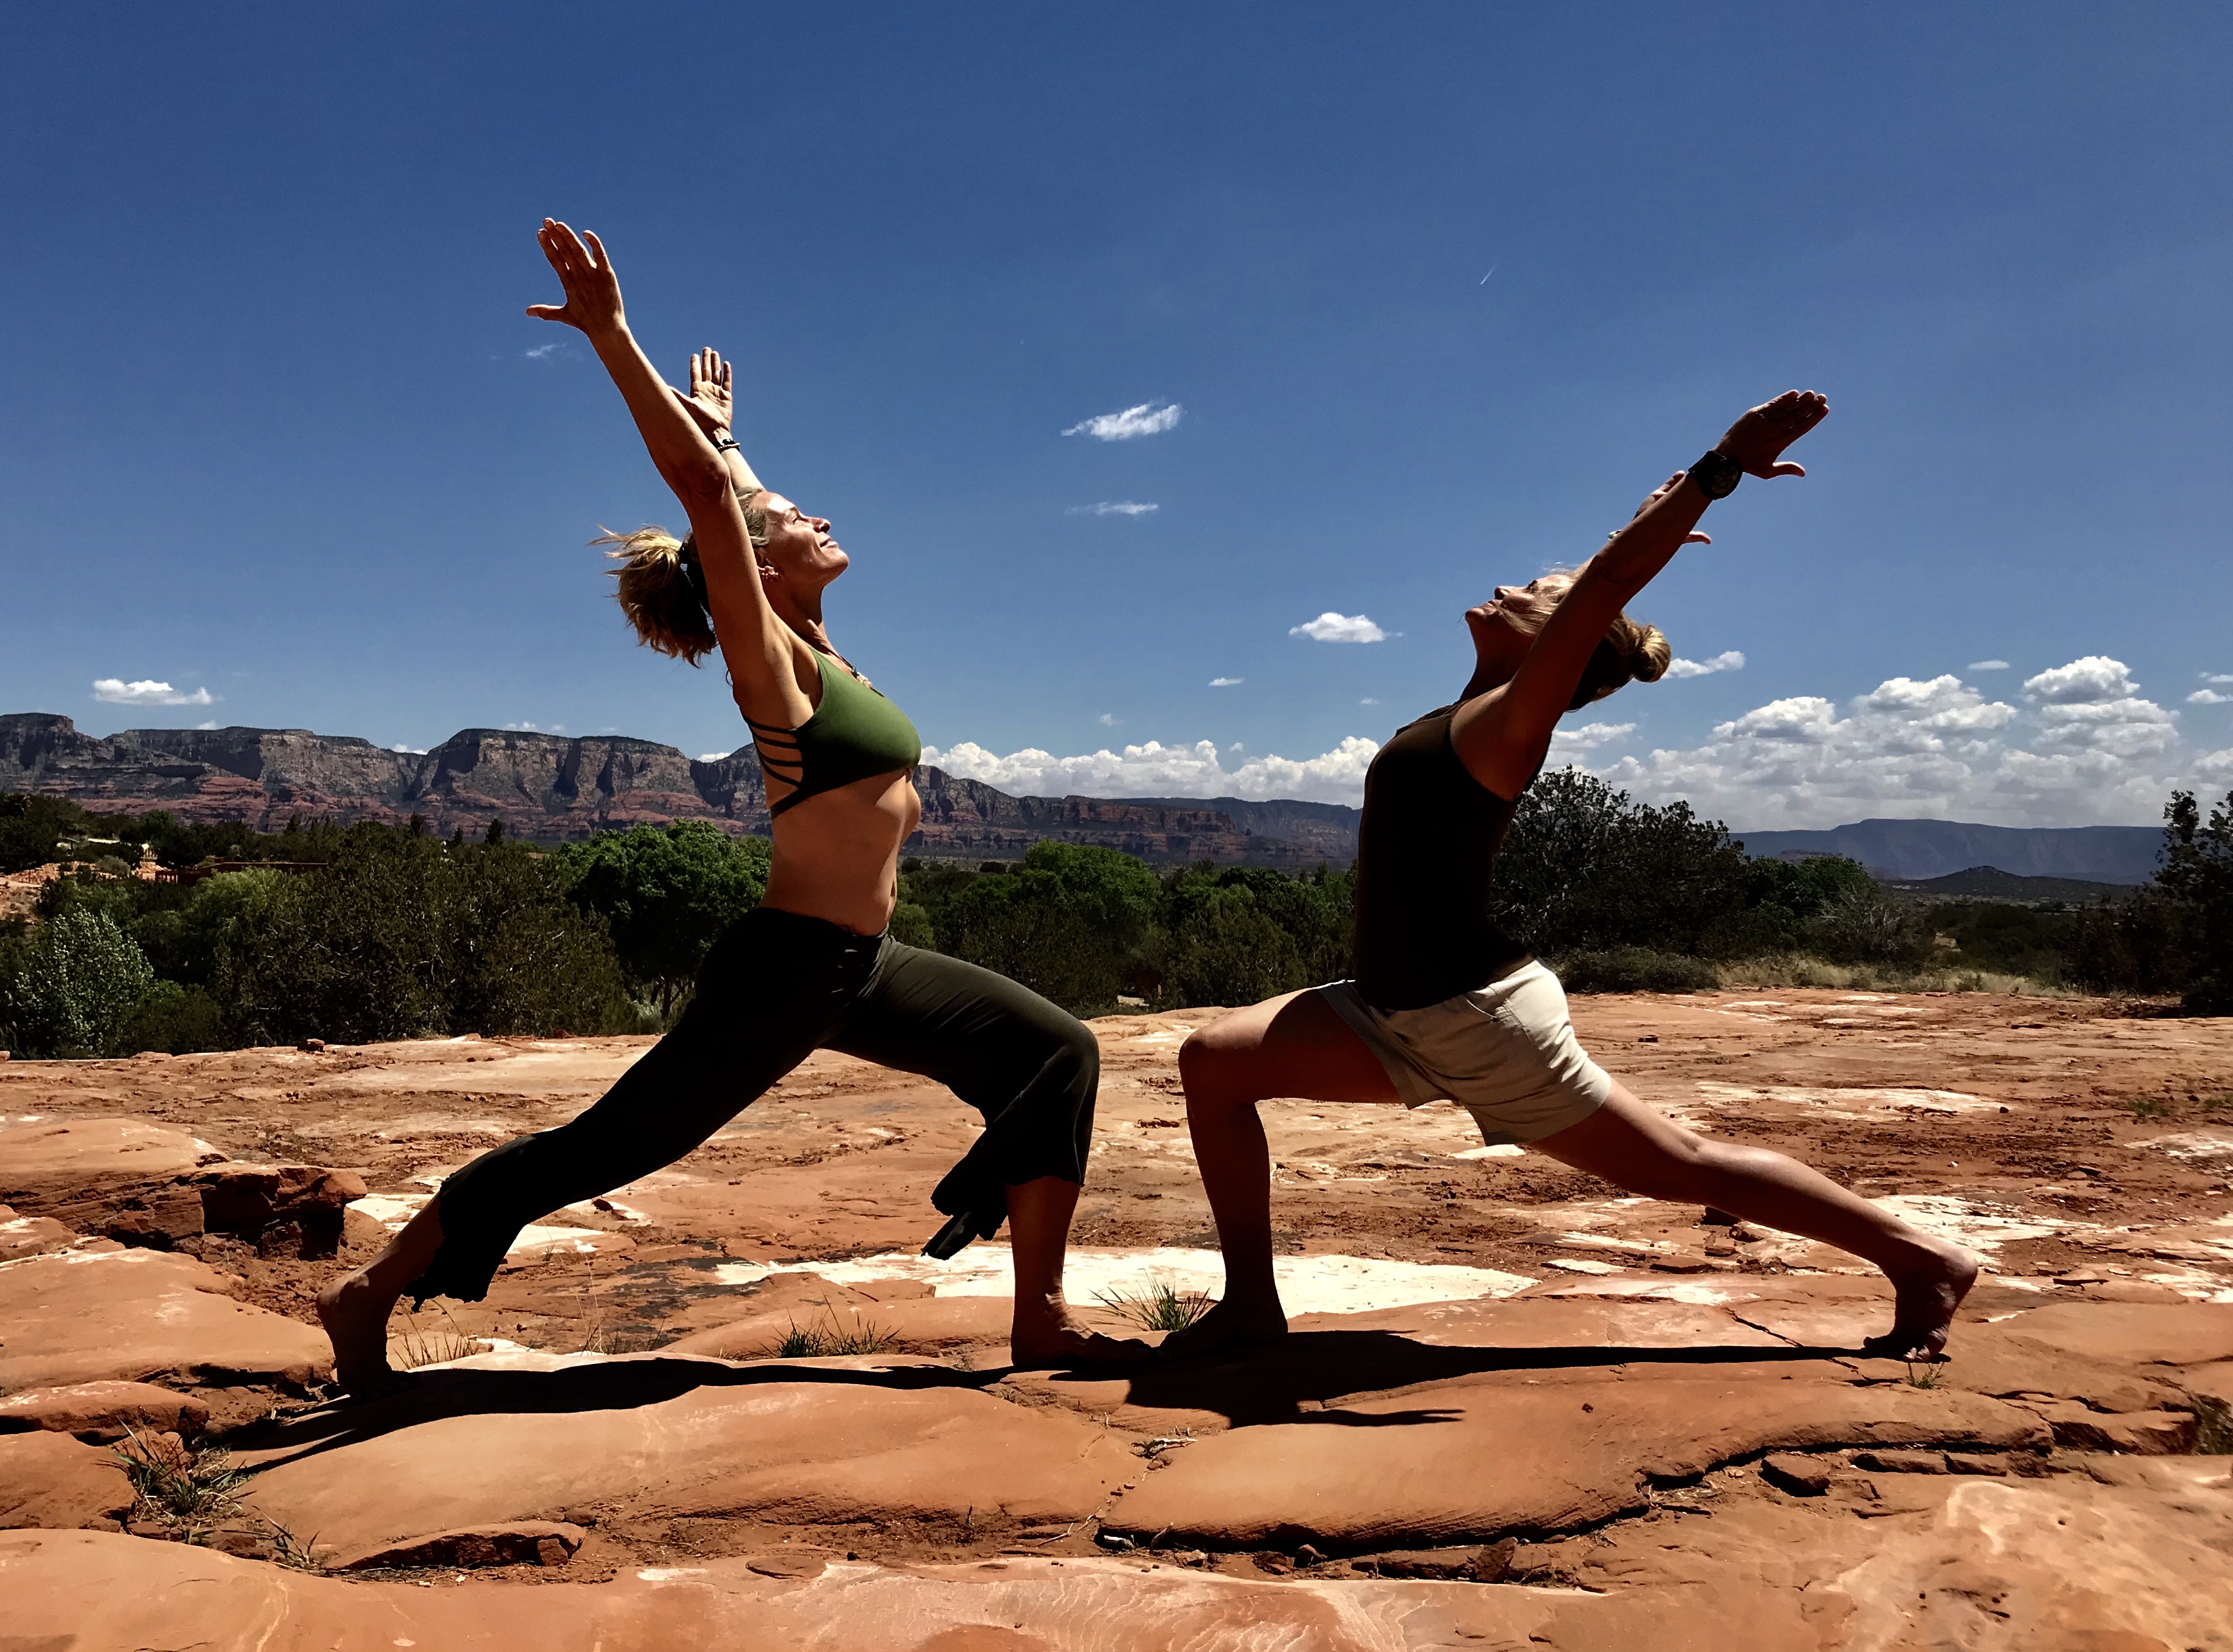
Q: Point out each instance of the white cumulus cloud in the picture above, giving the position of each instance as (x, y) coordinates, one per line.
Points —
(1590, 736)
(1146, 420)
(1110, 719)
(116, 691)
(536, 728)
(2087, 748)
(1154, 769)
(2217, 676)
(1114, 508)
(1987, 665)
(1732, 660)
(1330, 627)
(2208, 697)
(1227, 682)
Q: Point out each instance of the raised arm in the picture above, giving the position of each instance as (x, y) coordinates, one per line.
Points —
(761, 652)
(1502, 735)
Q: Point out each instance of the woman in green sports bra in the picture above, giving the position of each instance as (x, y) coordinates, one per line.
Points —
(813, 966)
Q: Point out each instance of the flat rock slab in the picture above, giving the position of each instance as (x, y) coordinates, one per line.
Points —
(670, 1436)
(2134, 1333)
(48, 1159)
(128, 1315)
(105, 1409)
(92, 1592)
(50, 1479)
(1470, 1464)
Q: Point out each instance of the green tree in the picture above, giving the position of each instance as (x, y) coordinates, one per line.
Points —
(666, 893)
(1584, 868)
(2196, 877)
(72, 984)
(1074, 923)
(1240, 935)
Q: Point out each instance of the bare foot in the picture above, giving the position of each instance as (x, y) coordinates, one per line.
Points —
(355, 1318)
(1229, 1324)
(1927, 1297)
(1055, 1340)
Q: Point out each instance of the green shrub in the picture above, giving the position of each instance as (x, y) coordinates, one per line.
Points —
(1635, 969)
(171, 1018)
(666, 893)
(72, 982)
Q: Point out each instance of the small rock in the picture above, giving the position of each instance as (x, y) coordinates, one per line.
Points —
(312, 1046)
(1901, 1462)
(1483, 1565)
(809, 1563)
(1963, 1463)
(246, 1545)
(528, 1542)
(1721, 1247)
(1308, 1555)
(51, 1481)
(154, 1529)
(1272, 1561)
(1800, 1475)
(1647, 1038)
(1714, 1218)
(1114, 1540)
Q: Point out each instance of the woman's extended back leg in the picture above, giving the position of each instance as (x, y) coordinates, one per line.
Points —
(1630, 1146)
(1292, 1046)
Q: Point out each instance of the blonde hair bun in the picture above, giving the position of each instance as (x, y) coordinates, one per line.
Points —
(1654, 654)
(655, 593)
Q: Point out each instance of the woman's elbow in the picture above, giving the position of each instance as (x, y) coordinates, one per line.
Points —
(698, 481)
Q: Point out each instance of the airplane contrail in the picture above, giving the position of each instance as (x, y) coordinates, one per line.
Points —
(1483, 281)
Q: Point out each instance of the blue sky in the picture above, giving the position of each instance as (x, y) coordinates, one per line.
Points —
(273, 428)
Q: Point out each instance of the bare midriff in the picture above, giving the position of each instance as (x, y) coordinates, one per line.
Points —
(837, 854)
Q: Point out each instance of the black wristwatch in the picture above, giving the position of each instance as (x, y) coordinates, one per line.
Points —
(1717, 474)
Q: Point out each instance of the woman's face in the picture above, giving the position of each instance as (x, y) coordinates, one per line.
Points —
(1506, 625)
(799, 547)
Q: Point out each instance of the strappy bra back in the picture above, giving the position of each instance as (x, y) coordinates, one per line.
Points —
(854, 733)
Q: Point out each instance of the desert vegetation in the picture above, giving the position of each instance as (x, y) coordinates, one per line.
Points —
(175, 937)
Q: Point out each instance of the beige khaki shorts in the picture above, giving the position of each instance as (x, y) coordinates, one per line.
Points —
(1505, 1052)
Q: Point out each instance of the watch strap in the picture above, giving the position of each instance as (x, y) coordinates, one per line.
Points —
(1717, 474)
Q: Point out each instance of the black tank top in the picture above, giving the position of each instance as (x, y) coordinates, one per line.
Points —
(1426, 856)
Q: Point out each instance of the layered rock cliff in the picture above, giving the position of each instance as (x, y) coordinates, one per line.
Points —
(555, 788)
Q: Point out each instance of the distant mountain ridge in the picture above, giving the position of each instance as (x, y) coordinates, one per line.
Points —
(1935, 848)
(553, 787)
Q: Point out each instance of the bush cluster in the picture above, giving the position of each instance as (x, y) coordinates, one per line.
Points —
(374, 932)
(2177, 934)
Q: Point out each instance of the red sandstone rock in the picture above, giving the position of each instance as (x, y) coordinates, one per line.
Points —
(2131, 1333)
(2146, 1434)
(127, 1315)
(1471, 1462)
(50, 1160)
(104, 1410)
(1797, 1474)
(879, 1447)
(50, 1479)
(31, 1235)
(517, 1543)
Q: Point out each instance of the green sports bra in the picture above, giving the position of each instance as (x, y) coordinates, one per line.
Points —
(854, 733)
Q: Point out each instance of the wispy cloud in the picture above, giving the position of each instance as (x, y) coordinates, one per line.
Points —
(1330, 627)
(1146, 420)
(210, 723)
(1368, 701)
(116, 691)
(536, 728)
(2217, 676)
(2209, 697)
(1987, 665)
(1113, 508)
(544, 352)
(409, 751)
(1110, 719)
(1732, 660)
(713, 757)
(1227, 682)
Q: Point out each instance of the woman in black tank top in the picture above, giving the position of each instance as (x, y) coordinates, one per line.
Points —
(1437, 801)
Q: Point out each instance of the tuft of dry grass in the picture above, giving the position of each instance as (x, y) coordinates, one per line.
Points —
(424, 1344)
(813, 1341)
(1802, 969)
(1159, 1305)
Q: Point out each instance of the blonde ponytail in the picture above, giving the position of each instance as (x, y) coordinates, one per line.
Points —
(656, 594)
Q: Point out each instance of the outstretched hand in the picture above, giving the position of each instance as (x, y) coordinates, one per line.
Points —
(592, 291)
(708, 400)
(1756, 441)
